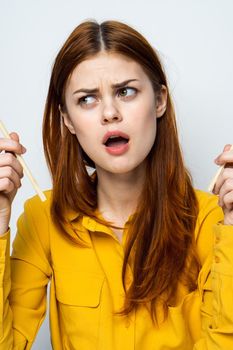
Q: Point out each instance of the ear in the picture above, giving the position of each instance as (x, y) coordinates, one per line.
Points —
(161, 102)
(67, 121)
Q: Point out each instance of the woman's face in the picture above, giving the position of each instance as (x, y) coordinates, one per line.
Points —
(112, 109)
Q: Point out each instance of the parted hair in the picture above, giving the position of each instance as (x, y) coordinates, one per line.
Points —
(160, 241)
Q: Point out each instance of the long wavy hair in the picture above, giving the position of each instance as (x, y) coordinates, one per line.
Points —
(160, 239)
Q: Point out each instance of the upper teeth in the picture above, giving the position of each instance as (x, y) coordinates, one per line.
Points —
(113, 136)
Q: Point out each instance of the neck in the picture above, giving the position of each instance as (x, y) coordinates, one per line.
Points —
(118, 194)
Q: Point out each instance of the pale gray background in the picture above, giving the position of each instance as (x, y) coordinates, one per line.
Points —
(194, 39)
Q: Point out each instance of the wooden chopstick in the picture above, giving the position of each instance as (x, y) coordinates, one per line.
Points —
(25, 167)
(213, 181)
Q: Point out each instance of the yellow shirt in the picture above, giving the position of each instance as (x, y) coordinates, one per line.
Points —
(86, 288)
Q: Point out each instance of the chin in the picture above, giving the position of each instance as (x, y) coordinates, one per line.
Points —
(121, 171)
(124, 169)
(121, 167)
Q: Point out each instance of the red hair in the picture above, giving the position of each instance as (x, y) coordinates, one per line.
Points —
(160, 238)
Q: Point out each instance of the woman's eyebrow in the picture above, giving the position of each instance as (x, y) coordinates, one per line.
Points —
(123, 83)
(114, 86)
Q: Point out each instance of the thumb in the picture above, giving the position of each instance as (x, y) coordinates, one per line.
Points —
(227, 147)
(14, 136)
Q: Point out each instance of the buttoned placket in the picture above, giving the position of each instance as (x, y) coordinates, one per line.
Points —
(110, 254)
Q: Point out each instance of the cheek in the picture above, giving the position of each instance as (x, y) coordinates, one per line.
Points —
(147, 127)
(150, 135)
(86, 137)
(84, 141)
(81, 132)
(146, 121)
(81, 127)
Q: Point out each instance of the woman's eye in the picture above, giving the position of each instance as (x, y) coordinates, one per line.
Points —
(127, 91)
(86, 100)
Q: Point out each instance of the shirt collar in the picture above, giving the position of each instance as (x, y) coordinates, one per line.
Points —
(91, 224)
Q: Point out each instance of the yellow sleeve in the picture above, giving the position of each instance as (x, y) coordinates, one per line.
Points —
(24, 280)
(4, 287)
(215, 279)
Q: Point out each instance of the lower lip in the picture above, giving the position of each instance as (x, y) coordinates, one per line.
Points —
(118, 150)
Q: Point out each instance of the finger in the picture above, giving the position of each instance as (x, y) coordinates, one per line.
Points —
(227, 201)
(226, 156)
(227, 147)
(14, 136)
(9, 173)
(228, 217)
(11, 146)
(8, 159)
(6, 185)
(225, 189)
(226, 173)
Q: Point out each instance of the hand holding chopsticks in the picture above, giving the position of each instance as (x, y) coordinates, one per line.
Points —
(25, 167)
(222, 183)
(213, 181)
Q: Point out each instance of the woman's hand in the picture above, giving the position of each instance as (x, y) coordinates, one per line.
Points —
(224, 184)
(11, 173)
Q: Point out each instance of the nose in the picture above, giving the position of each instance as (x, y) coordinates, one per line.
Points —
(110, 113)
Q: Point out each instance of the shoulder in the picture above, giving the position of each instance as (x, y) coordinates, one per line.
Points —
(36, 210)
(208, 207)
(35, 219)
(35, 203)
(208, 202)
(33, 230)
(205, 197)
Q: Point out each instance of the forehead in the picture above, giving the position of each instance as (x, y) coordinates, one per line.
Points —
(105, 66)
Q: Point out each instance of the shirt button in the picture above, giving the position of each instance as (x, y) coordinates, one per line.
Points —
(217, 259)
(217, 240)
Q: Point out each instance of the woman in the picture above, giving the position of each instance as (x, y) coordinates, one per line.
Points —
(137, 259)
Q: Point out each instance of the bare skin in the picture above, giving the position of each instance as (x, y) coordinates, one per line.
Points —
(118, 197)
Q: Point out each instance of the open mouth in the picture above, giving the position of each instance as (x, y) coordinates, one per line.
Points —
(116, 141)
